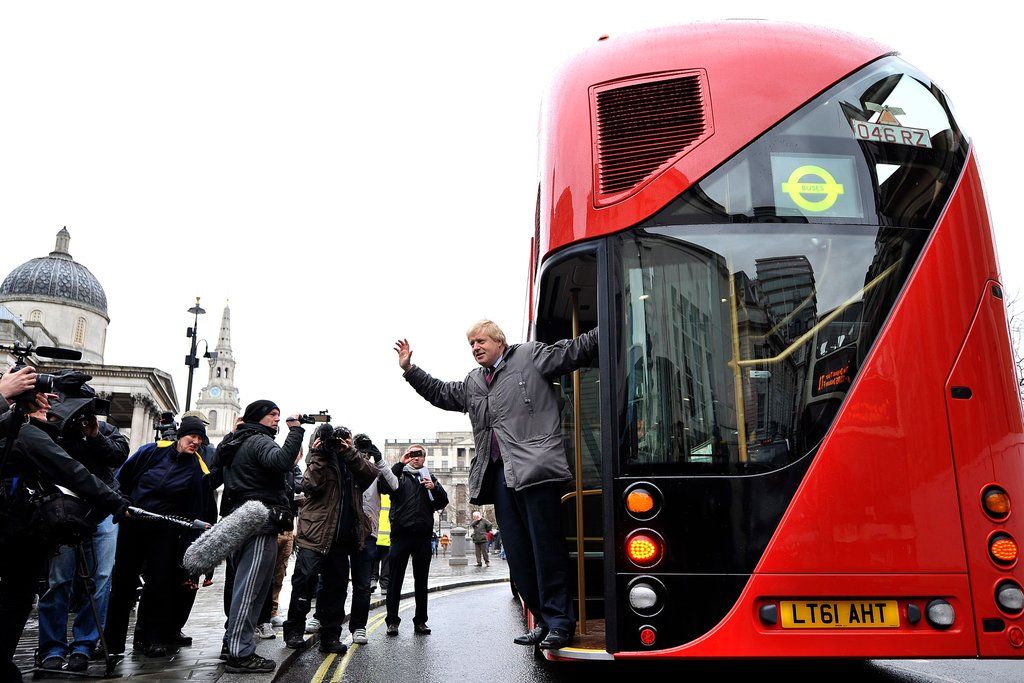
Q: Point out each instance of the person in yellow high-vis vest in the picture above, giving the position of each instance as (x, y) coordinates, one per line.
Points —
(380, 564)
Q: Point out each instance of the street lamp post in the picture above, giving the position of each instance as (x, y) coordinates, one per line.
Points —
(191, 360)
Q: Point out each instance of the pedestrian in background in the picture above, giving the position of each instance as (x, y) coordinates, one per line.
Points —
(481, 529)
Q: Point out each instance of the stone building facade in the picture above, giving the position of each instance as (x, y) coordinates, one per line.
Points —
(448, 457)
(55, 301)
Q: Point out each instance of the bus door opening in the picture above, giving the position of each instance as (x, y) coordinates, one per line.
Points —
(567, 307)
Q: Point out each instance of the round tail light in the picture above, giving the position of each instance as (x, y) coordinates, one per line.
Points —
(1010, 597)
(1003, 549)
(648, 635)
(643, 501)
(644, 548)
(996, 503)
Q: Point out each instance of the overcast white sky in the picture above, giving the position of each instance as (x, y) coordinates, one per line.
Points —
(338, 169)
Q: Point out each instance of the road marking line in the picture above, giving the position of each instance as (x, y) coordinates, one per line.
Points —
(325, 666)
(372, 626)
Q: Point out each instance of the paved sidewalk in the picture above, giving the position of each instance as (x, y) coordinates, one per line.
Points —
(206, 627)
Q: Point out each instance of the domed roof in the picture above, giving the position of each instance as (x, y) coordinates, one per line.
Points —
(56, 277)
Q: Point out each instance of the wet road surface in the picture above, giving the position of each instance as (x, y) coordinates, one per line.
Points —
(472, 641)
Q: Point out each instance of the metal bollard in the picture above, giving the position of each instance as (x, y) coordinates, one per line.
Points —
(458, 548)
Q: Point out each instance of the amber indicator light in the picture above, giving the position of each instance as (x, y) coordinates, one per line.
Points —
(644, 549)
(648, 635)
(996, 502)
(640, 501)
(1003, 549)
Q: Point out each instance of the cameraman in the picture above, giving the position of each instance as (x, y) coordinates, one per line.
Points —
(332, 530)
(363, 562)
(255, 468)
(35, 462)
(102, 449)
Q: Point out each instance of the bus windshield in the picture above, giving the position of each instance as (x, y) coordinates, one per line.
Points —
(750, 302)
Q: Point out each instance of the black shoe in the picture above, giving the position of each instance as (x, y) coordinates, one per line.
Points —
(156, 650)
(421, 629)
(556, 639)
(78, 661)
(531, 637)
(333, 646)
(253, 664)
(54, 663)
(224, 654)
(294, 639)
(182, 640)
(392, 629)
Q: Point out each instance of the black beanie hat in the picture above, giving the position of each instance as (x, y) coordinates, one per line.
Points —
(191, 425)
(257, 410)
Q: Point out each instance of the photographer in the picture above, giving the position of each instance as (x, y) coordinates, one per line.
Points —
(255, 468)
(102, 449)
(363, 561)
(167, 479)
(413, 503)
(332, 530)
(34, 463)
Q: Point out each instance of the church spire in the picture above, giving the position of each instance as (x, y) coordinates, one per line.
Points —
(224, 340)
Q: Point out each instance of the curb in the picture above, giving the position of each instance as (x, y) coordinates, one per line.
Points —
(285, 664)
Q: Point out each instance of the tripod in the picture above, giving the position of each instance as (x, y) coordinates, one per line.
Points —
(84, 577)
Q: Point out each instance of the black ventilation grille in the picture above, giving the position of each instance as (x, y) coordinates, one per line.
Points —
(641, 127)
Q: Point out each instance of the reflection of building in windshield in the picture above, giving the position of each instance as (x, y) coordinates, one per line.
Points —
(774, 310)
(680, 392)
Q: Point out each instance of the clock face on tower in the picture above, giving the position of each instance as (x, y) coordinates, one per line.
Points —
(214, 392)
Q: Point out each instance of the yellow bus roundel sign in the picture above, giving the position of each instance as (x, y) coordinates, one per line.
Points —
(812, 181)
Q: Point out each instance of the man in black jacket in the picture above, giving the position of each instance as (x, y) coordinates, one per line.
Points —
(413, 504)
(102, 449)
(255, 468)
(35, 460)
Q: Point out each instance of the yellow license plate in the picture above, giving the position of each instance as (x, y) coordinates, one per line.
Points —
(840, 613)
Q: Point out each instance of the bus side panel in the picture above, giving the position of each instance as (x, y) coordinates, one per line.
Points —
(880, 496)
(742, 634)
(988, 445)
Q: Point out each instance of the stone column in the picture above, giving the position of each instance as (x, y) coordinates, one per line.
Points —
(141, 422)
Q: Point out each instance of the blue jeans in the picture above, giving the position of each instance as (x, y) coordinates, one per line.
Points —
(65, 594)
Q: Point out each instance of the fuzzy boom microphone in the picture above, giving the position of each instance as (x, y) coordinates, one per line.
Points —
(225, 537)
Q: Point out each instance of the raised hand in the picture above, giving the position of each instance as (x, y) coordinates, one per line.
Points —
(404, 352)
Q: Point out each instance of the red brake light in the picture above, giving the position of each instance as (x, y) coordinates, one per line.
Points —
(648, 635)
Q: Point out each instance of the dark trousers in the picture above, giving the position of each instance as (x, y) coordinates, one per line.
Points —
(22, 566)
(402, 548)
(381, 566)
(538, 560)
(153, 551)
(332, 568)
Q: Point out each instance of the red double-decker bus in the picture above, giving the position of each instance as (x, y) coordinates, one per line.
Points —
(803, 437)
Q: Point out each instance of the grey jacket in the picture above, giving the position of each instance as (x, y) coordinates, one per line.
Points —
(521, 407)
(371, 496)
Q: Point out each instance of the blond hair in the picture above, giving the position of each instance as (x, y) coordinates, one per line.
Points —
(489, 328)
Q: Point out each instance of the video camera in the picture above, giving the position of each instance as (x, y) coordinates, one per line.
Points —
(331, 437)
(77, 401)
(322, 416)
(167, 428)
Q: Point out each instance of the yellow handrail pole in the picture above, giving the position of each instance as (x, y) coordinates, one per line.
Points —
(578, 442)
